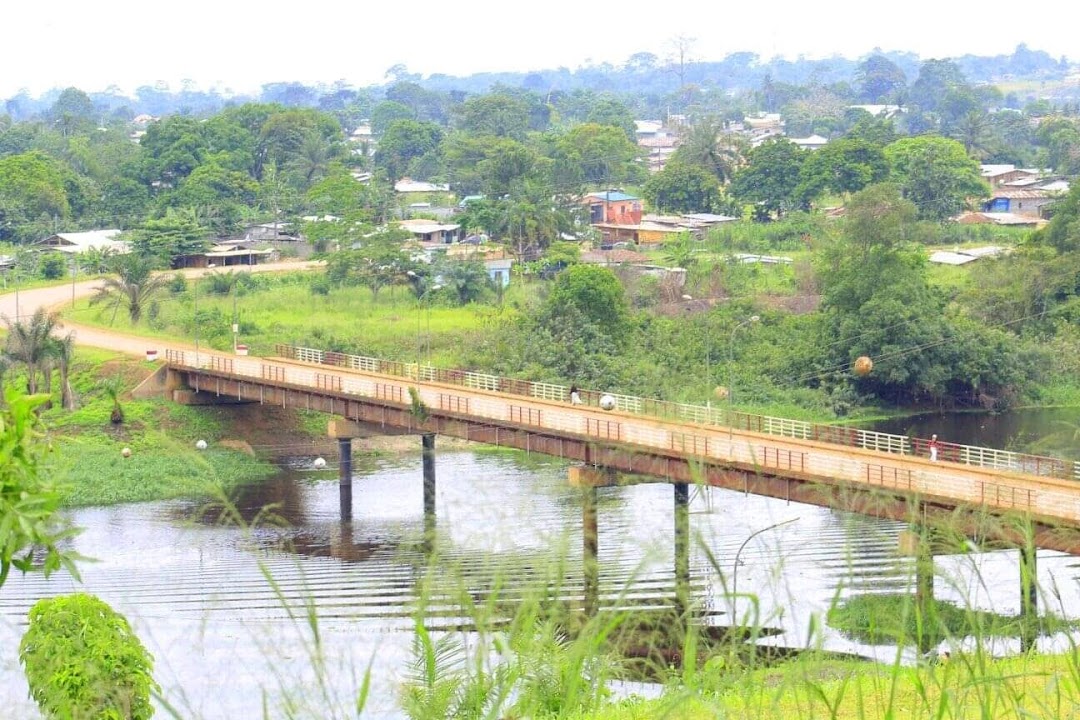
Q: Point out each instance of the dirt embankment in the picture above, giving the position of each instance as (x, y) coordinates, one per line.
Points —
(273, 432)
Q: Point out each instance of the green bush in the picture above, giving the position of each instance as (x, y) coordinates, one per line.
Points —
(53, 266)
(83, 662)
(178, 284)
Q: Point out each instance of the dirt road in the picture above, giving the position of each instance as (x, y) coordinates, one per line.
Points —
(24, 303)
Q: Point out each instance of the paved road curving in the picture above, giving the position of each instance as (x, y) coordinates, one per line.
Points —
(28, 301)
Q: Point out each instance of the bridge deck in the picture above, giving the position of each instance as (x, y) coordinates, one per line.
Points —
(1048, 499)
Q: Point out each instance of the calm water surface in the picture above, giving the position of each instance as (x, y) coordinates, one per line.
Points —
(1042, 431)
(225, 637)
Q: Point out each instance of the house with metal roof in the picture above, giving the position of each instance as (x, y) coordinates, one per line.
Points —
(1025, 200)
(228, 253)
(429, 231)
(1005, 174)
(613, 206)
(814, 142)
(80, 242)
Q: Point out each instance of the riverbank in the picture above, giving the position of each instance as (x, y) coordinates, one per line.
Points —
(962, 686)
(244, 443)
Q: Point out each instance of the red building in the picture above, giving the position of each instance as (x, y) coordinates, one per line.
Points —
(613, 206)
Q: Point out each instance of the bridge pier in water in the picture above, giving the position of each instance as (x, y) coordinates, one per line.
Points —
(344, 431)
(345, 477)
(590, 547)
(588, 479)
(682, 548)
(427, 445)
(1029, 591)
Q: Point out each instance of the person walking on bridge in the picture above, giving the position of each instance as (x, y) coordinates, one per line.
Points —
(575, 396)
(933, 448)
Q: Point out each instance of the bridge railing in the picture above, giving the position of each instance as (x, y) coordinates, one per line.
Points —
(700, 414)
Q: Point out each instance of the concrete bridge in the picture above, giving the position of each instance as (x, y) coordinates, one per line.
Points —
(878, 474)
(999, 497)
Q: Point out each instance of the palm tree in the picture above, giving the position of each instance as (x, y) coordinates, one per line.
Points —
(113, 386)
(63, 350)
(707, 145)
(96, 260)
(679, 252)
(467, 280)
(312, 159)
(973, 130)
(29, 343)
(133, 288)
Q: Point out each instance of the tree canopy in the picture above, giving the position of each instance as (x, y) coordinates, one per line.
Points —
(936, 174)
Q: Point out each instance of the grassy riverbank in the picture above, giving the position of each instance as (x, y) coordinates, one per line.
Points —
(164, 462)
(1027, 687)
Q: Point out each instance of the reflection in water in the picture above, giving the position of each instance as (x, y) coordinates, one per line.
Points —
(1040, 431)
(198, 591)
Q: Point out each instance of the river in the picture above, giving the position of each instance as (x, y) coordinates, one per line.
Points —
(1040, 431)
(225, 637)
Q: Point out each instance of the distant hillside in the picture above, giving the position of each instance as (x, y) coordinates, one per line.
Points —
(644, 75)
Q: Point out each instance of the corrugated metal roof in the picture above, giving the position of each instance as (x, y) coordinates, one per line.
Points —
(612, 257)
(612, 196)
(947, 257)
(1023, 193)
(82, 241)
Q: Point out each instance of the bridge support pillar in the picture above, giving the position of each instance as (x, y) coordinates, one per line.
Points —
(345, 477)
(427, 444)
(344, 431)
(1029, 594)
(590, 548)
(682, 548)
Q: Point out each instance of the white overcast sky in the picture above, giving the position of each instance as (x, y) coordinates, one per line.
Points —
(239, 45)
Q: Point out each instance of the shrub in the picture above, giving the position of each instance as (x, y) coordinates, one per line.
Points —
(83, 662)
(53, 266)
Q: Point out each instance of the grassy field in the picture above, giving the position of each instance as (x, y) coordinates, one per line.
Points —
(284, 309)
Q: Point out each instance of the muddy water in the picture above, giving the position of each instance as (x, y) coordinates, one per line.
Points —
(226, 638)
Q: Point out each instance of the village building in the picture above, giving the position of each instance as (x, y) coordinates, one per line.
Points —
(430, 231)
(814, 142)
(1029, 201)
(657, 141)
(613, 207)
(228, 254)
(80, 242)
(408, 185)
(966, 255)
(1004, 174)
